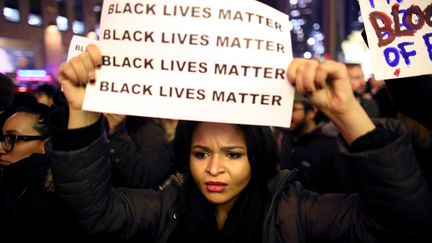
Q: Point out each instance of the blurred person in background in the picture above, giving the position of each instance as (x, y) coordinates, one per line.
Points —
(45, 94)
(140, 153)
(169, 125)
(6, 97)
(412, 100)
(9, 225)
(380, 94)
(358, 83)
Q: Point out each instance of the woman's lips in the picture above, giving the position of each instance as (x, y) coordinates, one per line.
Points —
(4, 163)
(215, 186)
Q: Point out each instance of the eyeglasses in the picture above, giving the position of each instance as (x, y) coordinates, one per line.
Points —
(8, 140)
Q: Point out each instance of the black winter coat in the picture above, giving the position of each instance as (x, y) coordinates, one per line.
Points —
(394, 202)
(141, 155)
(321, 166)
(33, 212)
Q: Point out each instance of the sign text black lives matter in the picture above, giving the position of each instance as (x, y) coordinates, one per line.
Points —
(176, 59)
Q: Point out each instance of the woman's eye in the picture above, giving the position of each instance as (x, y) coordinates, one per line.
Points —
(234, 155)
(199, 155)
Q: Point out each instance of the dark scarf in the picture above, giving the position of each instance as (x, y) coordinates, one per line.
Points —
(28, 174)
(38, 215)
(198, 222)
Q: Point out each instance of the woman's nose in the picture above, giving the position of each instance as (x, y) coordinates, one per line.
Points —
(215, 165)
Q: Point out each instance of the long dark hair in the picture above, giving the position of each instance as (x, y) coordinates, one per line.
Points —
(245, 219)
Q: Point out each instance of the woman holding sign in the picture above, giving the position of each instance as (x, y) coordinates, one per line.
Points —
(228, 188)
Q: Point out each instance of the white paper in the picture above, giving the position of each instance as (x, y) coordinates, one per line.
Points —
(78, 44)
(219, 61)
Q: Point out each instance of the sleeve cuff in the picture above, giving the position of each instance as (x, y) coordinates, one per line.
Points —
(375, 139)
(64, 139)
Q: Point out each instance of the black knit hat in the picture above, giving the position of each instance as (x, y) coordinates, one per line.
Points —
(6, 92)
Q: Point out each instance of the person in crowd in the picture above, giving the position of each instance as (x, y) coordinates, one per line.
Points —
(229, 190)
(382, 97)
(27, 186)
(421, 139)
(411, 95)
(169, 126)
(316, 155)
(140, 153)
(45, 94)
(357, 78)
(6, 97)
(23, 100)
(10, 227)
(358, 83)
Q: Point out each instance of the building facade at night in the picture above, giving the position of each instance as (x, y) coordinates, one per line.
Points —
(35, 34)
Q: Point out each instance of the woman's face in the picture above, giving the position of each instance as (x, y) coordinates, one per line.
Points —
(20, 123)
(219, 163)
(298, 117)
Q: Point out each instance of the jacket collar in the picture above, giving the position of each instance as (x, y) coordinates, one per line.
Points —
(280, 181)
(275, 186)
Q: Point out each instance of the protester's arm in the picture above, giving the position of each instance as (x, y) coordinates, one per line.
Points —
(393, 195)
(74, 76)
(81, 168)
(82, 178)
(393, 203)
(328, 88)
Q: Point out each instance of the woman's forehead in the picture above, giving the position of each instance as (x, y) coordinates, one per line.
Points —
(20, 122)
(211, 131)
(214, 126)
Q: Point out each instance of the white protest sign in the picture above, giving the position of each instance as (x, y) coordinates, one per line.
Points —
(219, 61)
(399, 35)
(78, 44)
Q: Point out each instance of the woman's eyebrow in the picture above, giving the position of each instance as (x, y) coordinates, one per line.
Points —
(233, 147)
(199, 147)
(11, 132)
(224, 148)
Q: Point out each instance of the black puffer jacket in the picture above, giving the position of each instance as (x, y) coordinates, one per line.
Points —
(394, 202)
(140, 155)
